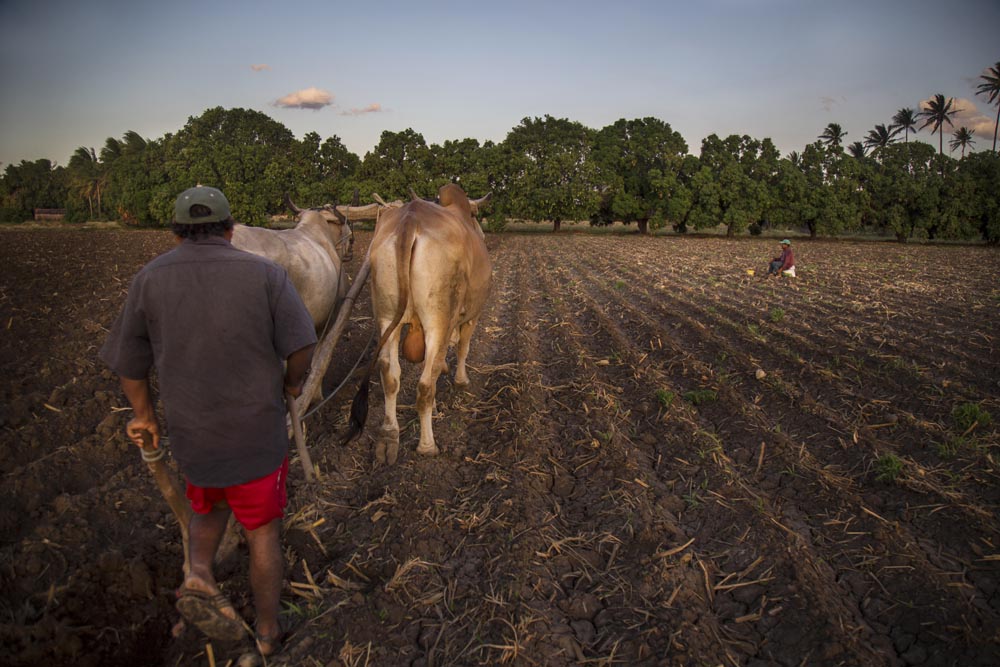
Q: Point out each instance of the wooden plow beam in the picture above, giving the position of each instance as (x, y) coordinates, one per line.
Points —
(372, 211)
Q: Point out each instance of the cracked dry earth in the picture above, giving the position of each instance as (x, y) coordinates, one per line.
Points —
(661, 460)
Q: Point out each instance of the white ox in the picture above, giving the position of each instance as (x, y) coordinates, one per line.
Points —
(430, 270)
(312, 253)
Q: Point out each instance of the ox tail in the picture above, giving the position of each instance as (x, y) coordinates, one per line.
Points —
(404, 255)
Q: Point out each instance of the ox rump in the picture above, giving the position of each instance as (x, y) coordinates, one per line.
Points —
(430, 271)
(312, 253)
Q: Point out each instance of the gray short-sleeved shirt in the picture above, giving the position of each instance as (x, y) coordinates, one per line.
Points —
(218, 323)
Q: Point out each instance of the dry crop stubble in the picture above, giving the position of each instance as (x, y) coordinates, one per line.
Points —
(575, 514)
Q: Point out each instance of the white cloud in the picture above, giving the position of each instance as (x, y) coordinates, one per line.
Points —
(371, 108)
(260, 68)
(307, 98)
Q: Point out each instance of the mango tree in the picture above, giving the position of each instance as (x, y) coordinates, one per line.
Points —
(551, 175)
(400, 162)
(740, 198)
(638, 162)
(240, 151)
(905, 190)
(982, 170)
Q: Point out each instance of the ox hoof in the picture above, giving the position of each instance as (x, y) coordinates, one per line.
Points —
(387, 445)
(428, 450)
(387, 452)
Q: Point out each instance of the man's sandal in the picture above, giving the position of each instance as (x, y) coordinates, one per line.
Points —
(204, 611)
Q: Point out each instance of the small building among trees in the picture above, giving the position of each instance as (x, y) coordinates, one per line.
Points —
(49, 214)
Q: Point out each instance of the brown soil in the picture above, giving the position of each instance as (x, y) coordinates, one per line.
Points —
(594, 503)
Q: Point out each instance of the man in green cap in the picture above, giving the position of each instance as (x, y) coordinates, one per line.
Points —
(228, 335)
(783, 264)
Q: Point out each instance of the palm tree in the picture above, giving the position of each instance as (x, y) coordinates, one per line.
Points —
(881, 137)
(963, 138)
(112, 150)
(794, 158)
(87, 176)
(990, 88)
(132, 143)
(905, 119)
(832, 135)
(937, 111)
(857, 150)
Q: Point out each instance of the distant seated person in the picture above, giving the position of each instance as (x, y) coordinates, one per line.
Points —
(783, 264)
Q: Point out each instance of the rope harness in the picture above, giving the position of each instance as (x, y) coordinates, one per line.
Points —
(350, 374)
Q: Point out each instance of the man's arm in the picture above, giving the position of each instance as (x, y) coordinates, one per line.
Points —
(143, 410)
(297, 369)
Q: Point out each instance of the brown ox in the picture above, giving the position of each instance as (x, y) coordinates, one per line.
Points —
(312, 253)
(430, 270)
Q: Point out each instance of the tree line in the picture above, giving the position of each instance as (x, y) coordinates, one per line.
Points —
(550, 169)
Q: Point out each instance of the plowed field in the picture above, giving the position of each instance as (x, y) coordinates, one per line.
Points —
(661, 460)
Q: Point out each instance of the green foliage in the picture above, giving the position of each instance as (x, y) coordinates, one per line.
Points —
(950, 448)
(30, 185)
(699, 396)
(665, 397)
(495, 224)
(983, 172)
(744, 172)
(888, 467)
(551, 175)
(547, 169)
(245, 153)
(905, 190)
(637, 162)
(400, 162)
(967, 415)
(777, 314)
(822, 191)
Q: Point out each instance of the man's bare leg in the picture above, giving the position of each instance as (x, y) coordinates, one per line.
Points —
(267, 569)
(205, 534)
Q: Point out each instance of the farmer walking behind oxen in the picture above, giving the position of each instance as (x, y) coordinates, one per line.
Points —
(219, 325)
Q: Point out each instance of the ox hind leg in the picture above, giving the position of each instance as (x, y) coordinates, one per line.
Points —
(434, 362)
(387, 443)
(462, 351)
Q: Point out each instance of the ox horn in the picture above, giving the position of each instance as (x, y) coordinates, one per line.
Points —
(290, 204)
(413, 195)
(477, 204)
(333, 208)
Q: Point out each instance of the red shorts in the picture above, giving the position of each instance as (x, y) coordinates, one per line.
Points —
(254, 504)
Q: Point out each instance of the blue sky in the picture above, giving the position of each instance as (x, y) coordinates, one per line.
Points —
(75, 72)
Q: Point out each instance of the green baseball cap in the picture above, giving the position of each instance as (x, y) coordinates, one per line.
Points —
(785, 242)
(210, 198)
